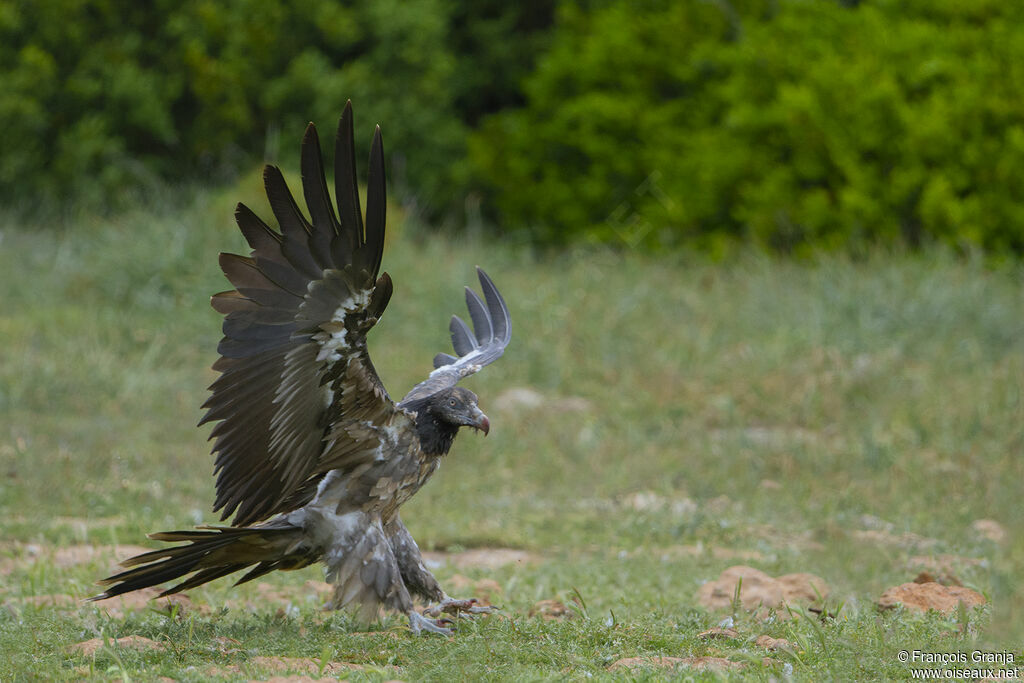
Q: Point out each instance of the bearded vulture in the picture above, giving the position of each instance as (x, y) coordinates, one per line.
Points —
(313, 458)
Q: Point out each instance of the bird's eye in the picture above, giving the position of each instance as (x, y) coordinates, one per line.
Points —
(452, 402)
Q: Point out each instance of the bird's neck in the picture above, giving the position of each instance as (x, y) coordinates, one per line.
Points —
(435, 436)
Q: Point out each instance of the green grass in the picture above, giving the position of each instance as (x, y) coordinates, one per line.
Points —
(882, 394)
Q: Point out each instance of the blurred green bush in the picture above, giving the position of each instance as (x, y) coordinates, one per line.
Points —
(793, 124)
(103, 100)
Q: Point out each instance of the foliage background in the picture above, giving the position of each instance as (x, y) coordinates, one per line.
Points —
(795, 125)
(851, 414)
(102, 98)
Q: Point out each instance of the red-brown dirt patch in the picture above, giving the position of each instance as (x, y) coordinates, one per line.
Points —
(759, 590)
(90, 647)
(695, 663)
(922, 597)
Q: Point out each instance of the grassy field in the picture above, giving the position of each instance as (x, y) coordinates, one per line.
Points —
(655, 421)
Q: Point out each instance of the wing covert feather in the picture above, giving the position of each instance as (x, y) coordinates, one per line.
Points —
(293, 357)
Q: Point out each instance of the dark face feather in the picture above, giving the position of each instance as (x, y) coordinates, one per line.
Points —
(458, 407)
(439, 417)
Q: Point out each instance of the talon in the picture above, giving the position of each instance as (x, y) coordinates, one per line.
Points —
(482, 609)
(458, 607)
(419, 623)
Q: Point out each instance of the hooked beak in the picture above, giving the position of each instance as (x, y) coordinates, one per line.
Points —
(480, 422)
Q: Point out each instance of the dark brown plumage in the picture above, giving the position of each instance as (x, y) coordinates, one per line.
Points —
(313, 458)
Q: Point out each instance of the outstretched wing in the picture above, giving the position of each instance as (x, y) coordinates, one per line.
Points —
(294, 349)
(492, 330)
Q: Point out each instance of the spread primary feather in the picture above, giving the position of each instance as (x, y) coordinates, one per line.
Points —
(312, 457)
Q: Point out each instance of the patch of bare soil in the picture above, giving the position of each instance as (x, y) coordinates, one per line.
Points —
(551, 610)
(729, 633)
(90, 647)
(881, 532)
(481, 558)
(769, 643)
(695, 663)
(989, 529)
(768, 437)
(649, 501)
(944, 562)
(276, 595)
(146, 598)
(802, 587)
(484, 590)
(905, 540)
(759, 591)
(791, 540)
(319, 593)
(297, 665)
(227, 646)
(517, 398)
(305, 665)
(944, 579)
(323, 590)
(24, 556)
(55, 600)
(699, 550)
(944, 569)
(922, 597)
(119, 606)
(70, 556)
(83, 524)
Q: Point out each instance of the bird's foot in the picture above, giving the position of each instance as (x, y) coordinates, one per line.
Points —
(419, 623)
(458, 607)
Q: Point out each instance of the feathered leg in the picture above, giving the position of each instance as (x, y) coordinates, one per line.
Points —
(366, 572)
(418, 578)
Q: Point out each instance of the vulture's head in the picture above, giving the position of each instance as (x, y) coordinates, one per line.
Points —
(457, 407)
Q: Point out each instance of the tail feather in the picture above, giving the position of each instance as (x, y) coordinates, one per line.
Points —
(203, 577)
(212, 552)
